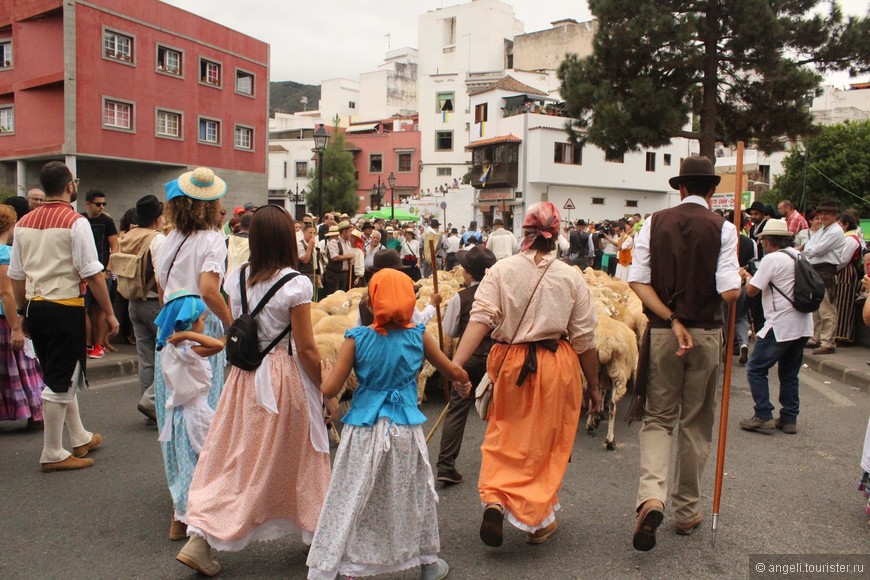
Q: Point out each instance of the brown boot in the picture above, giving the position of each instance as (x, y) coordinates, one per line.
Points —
(177, 530)
(649, 518)
(196, 554)
(68, 464)
(82, 450)
(542, 535)
(687, 528)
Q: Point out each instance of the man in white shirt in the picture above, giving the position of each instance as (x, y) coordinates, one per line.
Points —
(452, 248)
(823, 250)
(501, 242)
(782, 338)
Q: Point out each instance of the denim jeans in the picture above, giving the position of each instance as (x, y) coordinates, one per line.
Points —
(142, 315)
(789, 355)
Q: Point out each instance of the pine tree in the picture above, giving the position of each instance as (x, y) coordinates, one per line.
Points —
(835, 164)
(710, 70)
(339, 182)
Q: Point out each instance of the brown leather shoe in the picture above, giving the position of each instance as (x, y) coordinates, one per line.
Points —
(82, 450)
(177, 530)
(542, 535)
(68, 464)
(491, 526)
(824, 350)
(687, 528)
(649, 518)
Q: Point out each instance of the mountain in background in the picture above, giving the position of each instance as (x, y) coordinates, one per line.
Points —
(286, 97)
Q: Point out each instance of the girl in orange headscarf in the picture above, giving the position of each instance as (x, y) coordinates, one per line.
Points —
(379, 514)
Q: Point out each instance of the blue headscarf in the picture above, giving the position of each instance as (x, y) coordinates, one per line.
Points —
(179, 313)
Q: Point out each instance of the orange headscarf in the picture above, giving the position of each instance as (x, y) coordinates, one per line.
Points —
(391, 297)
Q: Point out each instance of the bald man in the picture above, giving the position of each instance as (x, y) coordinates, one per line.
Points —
(35, 198)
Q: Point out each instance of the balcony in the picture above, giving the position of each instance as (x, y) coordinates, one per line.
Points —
(500, 175)
(501, 155)
(532, 104)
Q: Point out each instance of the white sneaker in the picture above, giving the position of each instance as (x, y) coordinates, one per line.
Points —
(437, 570)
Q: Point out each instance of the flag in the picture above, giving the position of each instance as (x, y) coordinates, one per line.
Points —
(485, 175)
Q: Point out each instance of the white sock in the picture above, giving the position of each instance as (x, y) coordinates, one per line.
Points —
(52, 447)
(78, 435)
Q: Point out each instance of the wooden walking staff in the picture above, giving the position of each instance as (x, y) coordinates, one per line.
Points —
(440, 344)
(729, 360)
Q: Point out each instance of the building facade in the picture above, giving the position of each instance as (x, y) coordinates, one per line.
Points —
(130, 93)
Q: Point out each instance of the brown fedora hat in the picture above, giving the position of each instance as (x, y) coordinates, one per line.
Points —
(386, 259)
(695, 168)
(828, 205)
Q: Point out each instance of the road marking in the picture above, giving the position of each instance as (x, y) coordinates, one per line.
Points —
(827, 391)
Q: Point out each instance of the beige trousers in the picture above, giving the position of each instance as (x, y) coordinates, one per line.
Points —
(681, 391)
(825, 321)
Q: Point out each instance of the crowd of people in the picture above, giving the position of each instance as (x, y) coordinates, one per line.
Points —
(525, 321)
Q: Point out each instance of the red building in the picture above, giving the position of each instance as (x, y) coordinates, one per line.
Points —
(390, 146)
(130, 93)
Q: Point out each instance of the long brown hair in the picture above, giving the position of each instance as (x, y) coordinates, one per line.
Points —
(273, 243)
(193, 215)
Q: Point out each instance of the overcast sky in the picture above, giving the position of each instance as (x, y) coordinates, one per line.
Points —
(324, 39)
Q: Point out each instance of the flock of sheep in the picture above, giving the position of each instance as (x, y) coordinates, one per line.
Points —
(621, 323)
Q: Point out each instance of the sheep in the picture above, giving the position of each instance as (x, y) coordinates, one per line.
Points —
(336, 303)
(336, 324)
(617, 363)
(317, 315)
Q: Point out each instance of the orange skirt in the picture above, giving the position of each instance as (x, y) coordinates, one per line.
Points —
(531, 433)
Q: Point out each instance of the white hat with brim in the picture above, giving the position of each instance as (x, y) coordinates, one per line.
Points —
(201, 184)
(333, 231)
(775, 228)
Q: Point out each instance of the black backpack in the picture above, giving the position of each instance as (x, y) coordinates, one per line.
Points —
(243, 341)
(809, 289)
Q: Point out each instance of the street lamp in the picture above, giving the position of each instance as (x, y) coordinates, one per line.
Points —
(321, 138)
(297, 198)
(376, 193)
(392, 181)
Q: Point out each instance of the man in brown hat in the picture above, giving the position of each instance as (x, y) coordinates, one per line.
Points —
(684, 266)
(339, 258)
(823, 251)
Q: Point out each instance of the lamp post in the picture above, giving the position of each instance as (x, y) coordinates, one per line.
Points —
(392, 181)
(321, 138)
(376, 194)
(297, 198)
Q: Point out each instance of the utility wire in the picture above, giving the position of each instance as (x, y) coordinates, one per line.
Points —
(816, 169)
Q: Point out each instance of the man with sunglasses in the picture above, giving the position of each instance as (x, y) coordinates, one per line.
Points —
(106, 239)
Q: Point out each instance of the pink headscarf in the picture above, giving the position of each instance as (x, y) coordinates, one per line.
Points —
(542, 219)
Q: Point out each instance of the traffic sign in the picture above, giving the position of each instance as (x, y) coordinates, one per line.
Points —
(443, 205)
(569, 204)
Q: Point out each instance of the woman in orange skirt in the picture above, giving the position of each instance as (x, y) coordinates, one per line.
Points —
(541, 314)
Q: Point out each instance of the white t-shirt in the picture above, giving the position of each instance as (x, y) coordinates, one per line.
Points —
(203, 251)
(275, 316)
(786, 322)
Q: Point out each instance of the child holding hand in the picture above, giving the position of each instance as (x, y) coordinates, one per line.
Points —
(379, 515)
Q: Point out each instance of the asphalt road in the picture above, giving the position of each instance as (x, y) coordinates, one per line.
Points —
(793, 494)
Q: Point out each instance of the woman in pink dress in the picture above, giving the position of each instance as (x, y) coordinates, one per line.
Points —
(264, 469)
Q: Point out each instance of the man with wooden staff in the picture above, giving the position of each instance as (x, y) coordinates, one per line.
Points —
(685, 264)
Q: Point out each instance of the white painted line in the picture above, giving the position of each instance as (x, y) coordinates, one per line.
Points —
(827, 391)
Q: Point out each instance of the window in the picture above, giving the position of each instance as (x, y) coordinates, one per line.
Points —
(244, 82)
(301, 169)
(650, 161)
(243, 137)
(210, 72)
(568, 153)
(117, 115)
(117, 46)
(7, 119)
(6, 54)
(613, 157)
(449, 31)
(480, 113)
(168, 124)
(630, 203)
(445, 102)
(444, 171)
(351, 105)
(285, 170)
(597, 201)
(169, 60)
(405, 162)
(443, 140)
(210, 131)
(376, 163)
(666, 159)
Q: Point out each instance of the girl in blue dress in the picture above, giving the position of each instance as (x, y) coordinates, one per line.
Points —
(379, 515)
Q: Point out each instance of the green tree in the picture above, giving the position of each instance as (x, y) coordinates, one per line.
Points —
(708, 70)
(339, 181)
(835, 164)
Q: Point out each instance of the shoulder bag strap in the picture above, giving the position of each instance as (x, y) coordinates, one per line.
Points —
(275, 287)
(772, 285)
(172, 263)
(242, 283)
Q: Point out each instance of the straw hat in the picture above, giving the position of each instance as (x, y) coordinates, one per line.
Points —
(202, 184)
(333, 231)
(343, 225)
(775, 228)
(357, 233)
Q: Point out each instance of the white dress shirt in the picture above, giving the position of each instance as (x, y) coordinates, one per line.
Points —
(779, 315)
(826, 245)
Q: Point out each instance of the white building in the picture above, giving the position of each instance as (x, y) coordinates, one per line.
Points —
(519, 141)
(291, 156)
(461, 48)
(339, 98)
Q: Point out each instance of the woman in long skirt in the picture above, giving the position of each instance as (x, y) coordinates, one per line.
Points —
(531, 301)
(847, 283)
(264, 470)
